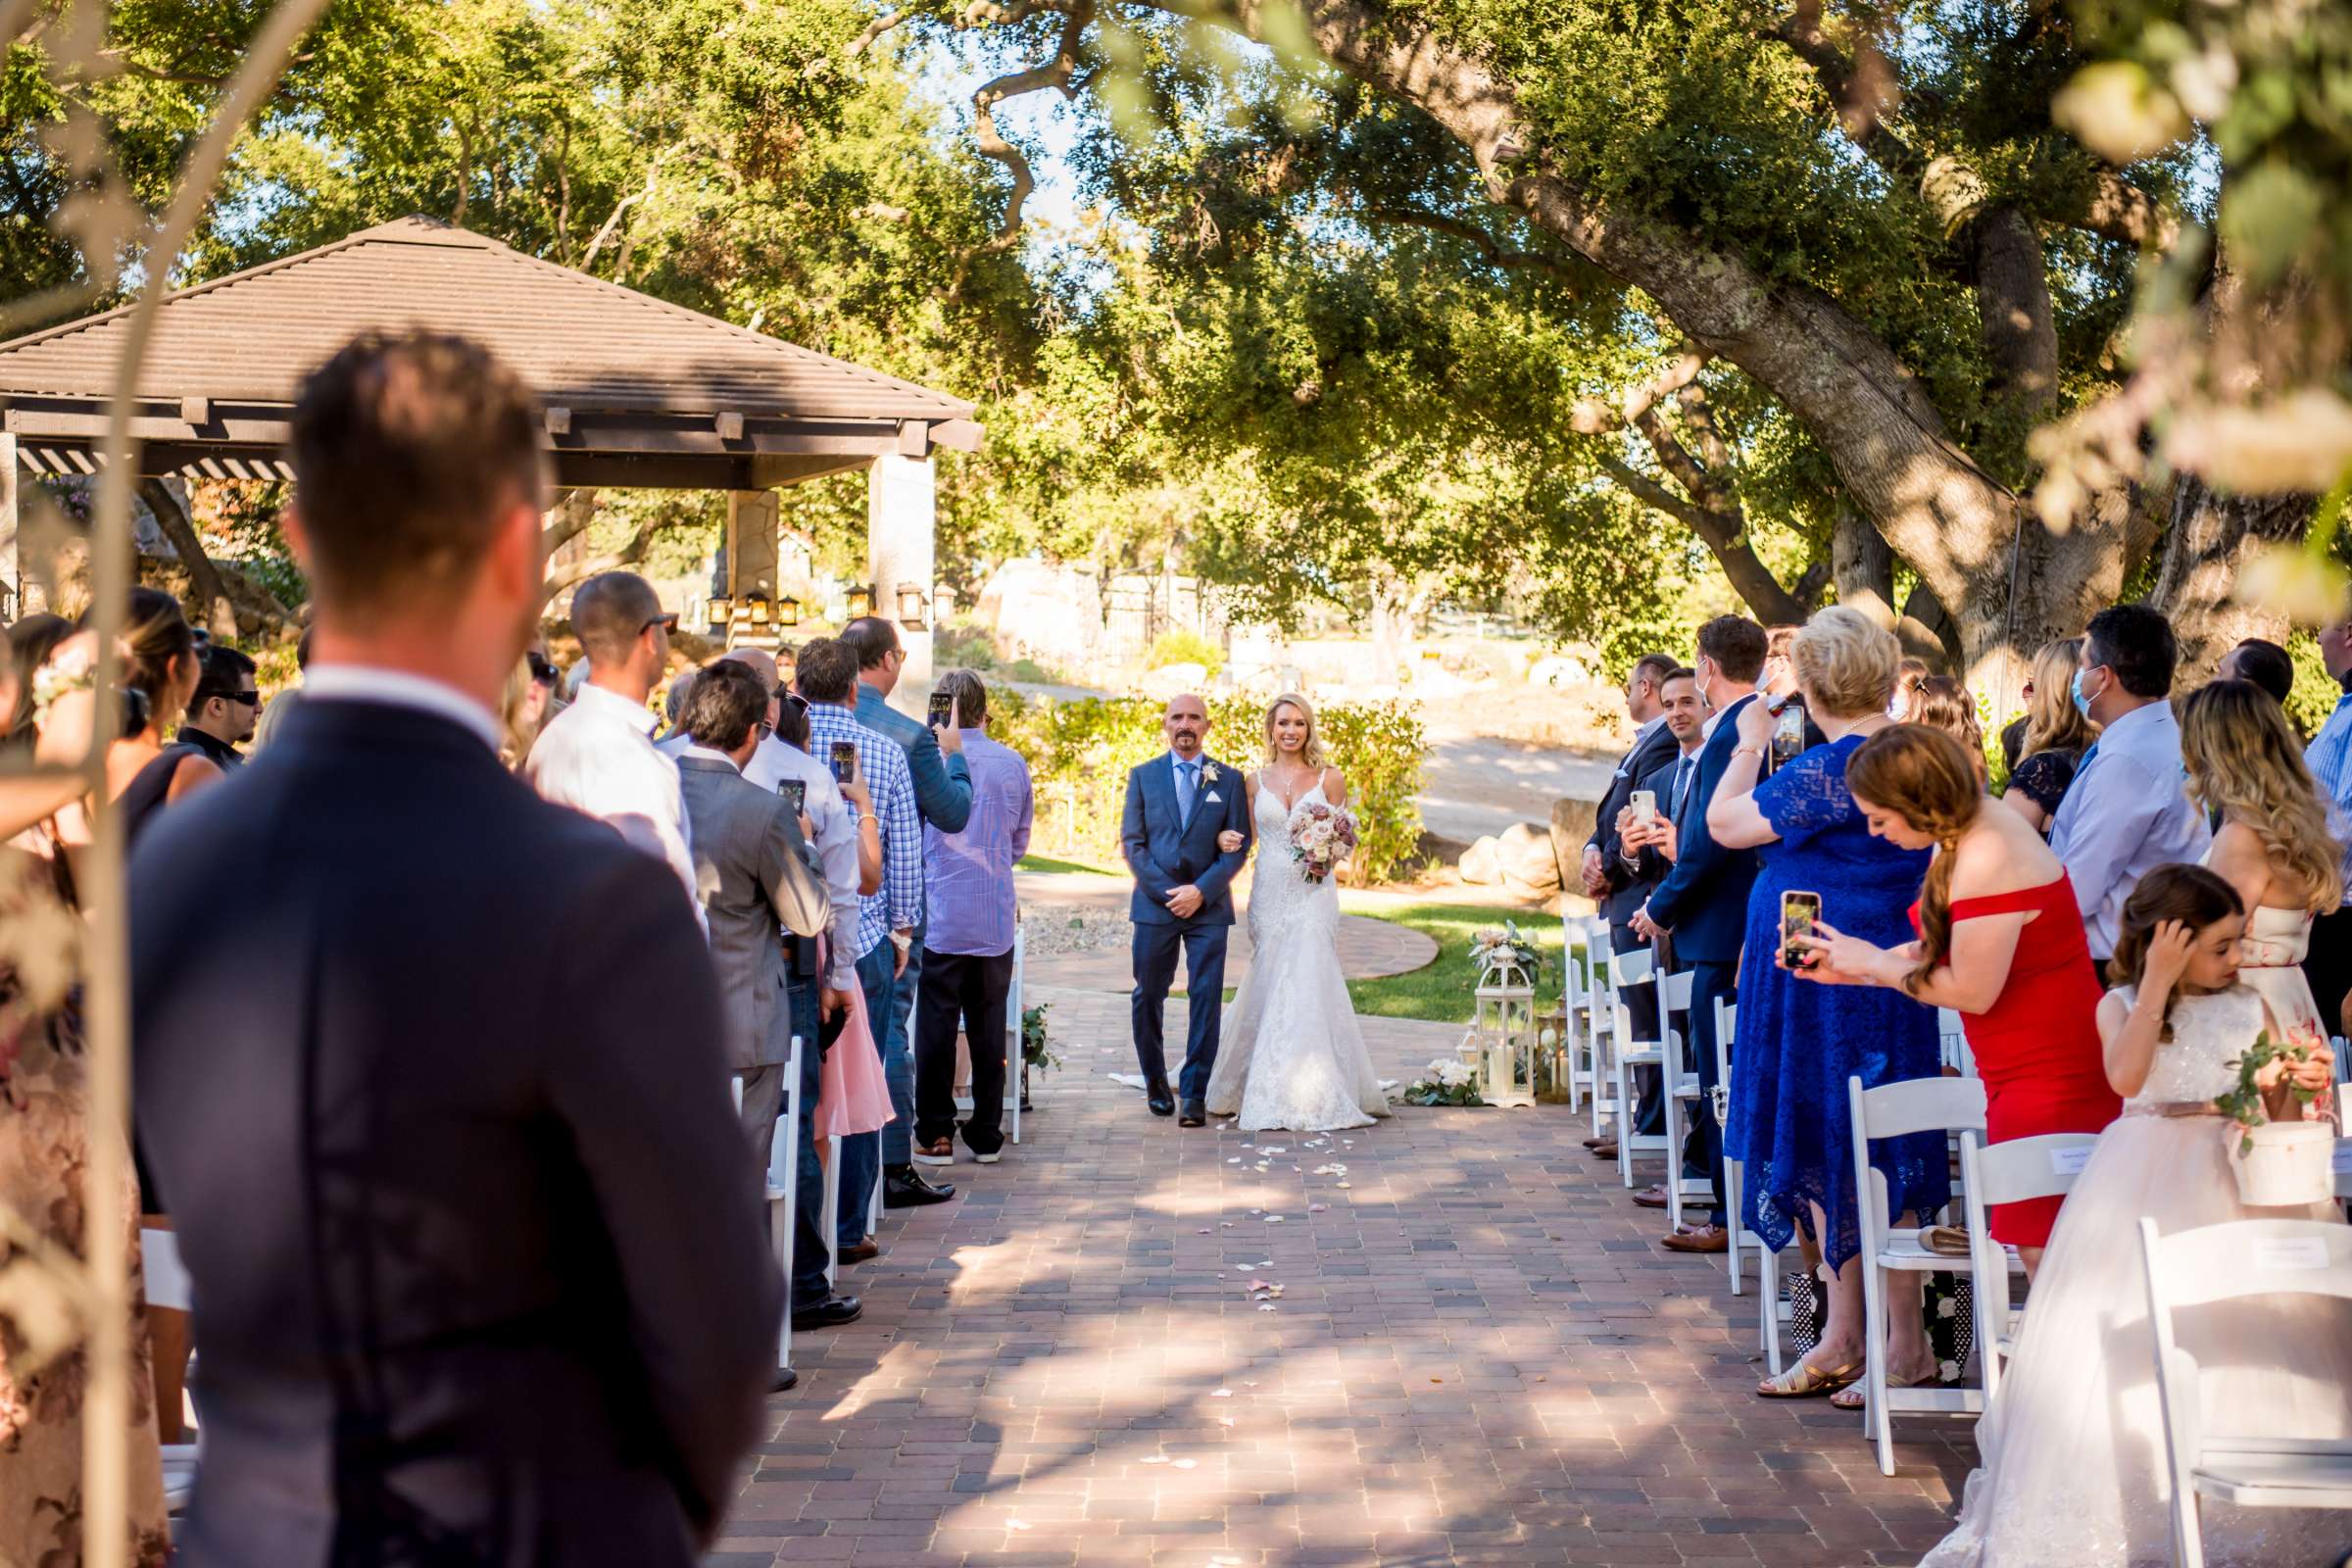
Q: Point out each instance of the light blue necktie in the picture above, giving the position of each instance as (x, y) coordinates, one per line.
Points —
(1187, 784)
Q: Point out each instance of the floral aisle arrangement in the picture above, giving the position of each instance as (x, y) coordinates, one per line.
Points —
(1035, 1051)
(1321, 837)
(1498, 949)
(2286, 1160)
(1445, 1083)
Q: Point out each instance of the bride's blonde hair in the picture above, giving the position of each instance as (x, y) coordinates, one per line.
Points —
(1311, 753)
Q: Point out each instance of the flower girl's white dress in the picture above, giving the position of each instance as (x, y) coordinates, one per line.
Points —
(2073, 1472)
(1293, 1055)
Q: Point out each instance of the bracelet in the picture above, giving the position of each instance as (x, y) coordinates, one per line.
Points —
(1757, 752)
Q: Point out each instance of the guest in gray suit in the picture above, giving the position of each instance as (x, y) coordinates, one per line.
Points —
(751, 871)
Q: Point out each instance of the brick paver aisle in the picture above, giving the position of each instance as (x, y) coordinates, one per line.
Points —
(1469, 1351)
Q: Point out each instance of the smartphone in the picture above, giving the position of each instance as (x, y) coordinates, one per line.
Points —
(943, 710)
(1787, 734)
(845, 762)
(795, 792)
(1799, 911)
(1645, 806)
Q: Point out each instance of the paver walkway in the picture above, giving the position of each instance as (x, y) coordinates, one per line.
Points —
(1478, 1355)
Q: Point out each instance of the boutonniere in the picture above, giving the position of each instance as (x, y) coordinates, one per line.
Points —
(1210, 775)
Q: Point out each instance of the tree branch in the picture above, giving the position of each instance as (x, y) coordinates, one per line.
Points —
(220, 611)
(1496, 253)
(1860, 91)
(873, 31)
(1593, 416)
(1054, 71)
(653, 170)
(2119, 210)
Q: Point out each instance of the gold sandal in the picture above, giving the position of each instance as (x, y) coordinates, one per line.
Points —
(1930, 1380)
(1805, 1381)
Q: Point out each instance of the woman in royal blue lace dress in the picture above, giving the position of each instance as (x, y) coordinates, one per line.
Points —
(1799, 1041)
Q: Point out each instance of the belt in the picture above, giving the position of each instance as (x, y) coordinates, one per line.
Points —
(2174, 1109)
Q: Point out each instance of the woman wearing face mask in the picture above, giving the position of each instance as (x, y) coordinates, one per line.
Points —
(2056, 735)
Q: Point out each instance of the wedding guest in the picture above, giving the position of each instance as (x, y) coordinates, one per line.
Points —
(2125, 809)
(224, 708)
(1910, 680)
(458, 1186)
(274, 713)
(1609, 876)
(1800, 1043)
(2056, 735)
(2000, 942)
(31, 641)
(1779, 680)
(943, 799)
(827, 675)
(673, 711)
(1647, 849)
(597, 756)
(1704, 899)
(967, 886)
(2268, 665)
(522, 707)
(2273, 846)
(1943, 704)
(758, 893)
(2329, 758)
(2073, 1468)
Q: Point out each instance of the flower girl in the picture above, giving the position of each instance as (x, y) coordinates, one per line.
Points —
(2073, 1472)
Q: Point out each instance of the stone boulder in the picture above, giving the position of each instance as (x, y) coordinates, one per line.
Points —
(1525, 858)
(1559, 671)
(1482, 862)
(1572, 824)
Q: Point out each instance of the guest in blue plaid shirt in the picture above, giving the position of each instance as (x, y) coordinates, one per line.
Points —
(826, 674)
(2328, 966)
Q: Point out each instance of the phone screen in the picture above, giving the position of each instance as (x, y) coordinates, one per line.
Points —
(795, 792)
(1799, 911)
(943, 710)
(845, 761)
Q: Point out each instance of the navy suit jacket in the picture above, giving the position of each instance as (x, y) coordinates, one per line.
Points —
(1624, 896)
(429, 1074)
(1703, 899)
(1166, 853)
(943, 785)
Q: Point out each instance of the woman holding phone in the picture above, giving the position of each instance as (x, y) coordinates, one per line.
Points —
(1798, 1043)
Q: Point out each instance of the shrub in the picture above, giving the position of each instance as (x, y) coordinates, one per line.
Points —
(1080, 752)
(1184, 645)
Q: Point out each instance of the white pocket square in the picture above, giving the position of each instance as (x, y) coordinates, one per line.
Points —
(1214, 799)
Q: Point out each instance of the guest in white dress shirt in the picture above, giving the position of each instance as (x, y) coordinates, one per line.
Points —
(2128, 810)
(598, 755)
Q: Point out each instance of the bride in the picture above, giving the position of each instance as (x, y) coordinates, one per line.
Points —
(1293, 1057)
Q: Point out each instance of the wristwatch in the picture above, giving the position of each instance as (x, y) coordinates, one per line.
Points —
(903, 941)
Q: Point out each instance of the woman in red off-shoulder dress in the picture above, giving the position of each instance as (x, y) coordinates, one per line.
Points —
(2001, 943)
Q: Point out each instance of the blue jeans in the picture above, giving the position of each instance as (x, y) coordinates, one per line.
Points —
(862, 1152)
(897, 1056)
(808, 1222)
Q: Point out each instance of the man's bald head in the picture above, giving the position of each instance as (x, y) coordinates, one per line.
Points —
(759, 660)
(1185, 724)
(610, 612)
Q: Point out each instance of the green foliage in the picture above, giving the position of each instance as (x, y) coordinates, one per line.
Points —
(1036, 1050)
(1181, 644)
(2315, 691)
(1438, 990)
(1080, 752)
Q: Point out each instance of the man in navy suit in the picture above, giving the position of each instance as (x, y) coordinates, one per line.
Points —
(1703, 901)
(1177, 806)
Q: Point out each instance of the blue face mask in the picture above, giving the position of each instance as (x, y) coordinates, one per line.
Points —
(2081, 699)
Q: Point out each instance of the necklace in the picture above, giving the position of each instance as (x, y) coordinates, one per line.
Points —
(1289, 799)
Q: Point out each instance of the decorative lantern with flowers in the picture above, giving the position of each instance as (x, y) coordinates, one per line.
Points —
(1503, 1029)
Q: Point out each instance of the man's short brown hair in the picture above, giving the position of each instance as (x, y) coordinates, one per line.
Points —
(409, 448)
(827, 672)
(970, 693)
(727, 700)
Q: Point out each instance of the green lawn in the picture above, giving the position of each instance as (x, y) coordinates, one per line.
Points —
(1440, 991)
(1041, 863)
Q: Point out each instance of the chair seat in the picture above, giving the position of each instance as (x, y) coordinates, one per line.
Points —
(1642, 1054)
(1687, 1091)
(775, 1193)
(1903, 1251)
(2258, 1479)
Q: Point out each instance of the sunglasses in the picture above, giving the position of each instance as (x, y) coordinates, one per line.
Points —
(249, 699)
(796, 700)
(668, 624)
(543, 670)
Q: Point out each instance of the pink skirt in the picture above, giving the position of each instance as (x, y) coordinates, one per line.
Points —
(853, 1095)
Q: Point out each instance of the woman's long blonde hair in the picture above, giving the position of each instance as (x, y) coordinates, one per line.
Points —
(2053, 724)
(1311, 753)
(2242, 760)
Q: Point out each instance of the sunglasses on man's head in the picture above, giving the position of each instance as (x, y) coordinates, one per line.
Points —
(668, 624)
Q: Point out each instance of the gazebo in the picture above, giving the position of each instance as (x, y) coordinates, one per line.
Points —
(638, 392)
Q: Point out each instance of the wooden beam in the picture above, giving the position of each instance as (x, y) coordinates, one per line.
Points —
(730, 426)
(914, 439)
(196, 410)
(559, 421)
(958, 435)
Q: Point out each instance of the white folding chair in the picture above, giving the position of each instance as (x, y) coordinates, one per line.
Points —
(1576, 1004)
(1626, 1052)
(1951, 1040)
(1600, 1001)
(1012, 1035)
(167, 1285)
(2012, 1172)
(784, 1185)
(1678, 1092)
(2222, 1263)
(1893, 1110)
(1770, 1309)
(2343, 1153)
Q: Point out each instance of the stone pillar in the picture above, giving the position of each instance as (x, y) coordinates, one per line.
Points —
(900, 509)
(11, 580)
(752, 519)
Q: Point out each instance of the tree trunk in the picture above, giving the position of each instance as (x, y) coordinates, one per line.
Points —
(215, 610)
(1958, 526)
(2212, 539)
(1863, 567)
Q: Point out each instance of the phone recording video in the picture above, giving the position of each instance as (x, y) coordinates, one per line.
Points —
(795, 792)
(943, 710)
(1799, 911)
(845, 762)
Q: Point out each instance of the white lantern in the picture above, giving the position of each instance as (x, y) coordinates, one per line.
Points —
(1506, 1027)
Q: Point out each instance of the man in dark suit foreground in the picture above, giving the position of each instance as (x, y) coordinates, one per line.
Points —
(478, 1276)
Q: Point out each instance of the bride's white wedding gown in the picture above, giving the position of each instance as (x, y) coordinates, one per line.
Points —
(1293, 1057)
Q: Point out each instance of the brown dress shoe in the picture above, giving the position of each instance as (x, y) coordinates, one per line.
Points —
(863, 1250)
(1698, 1238)
(1608, 1150)
(1651, 1197)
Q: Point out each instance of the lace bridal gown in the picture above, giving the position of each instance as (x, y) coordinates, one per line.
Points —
(1293, 1055)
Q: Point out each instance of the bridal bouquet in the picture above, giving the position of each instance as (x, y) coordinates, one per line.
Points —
(1320, 838)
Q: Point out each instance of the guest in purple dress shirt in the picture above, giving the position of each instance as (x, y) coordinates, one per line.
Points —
(967, 963)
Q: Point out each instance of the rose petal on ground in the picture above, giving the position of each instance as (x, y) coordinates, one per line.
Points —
(1187, 1464)
(1155, 1458)
(1311, 1208)
(1221, 1393)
